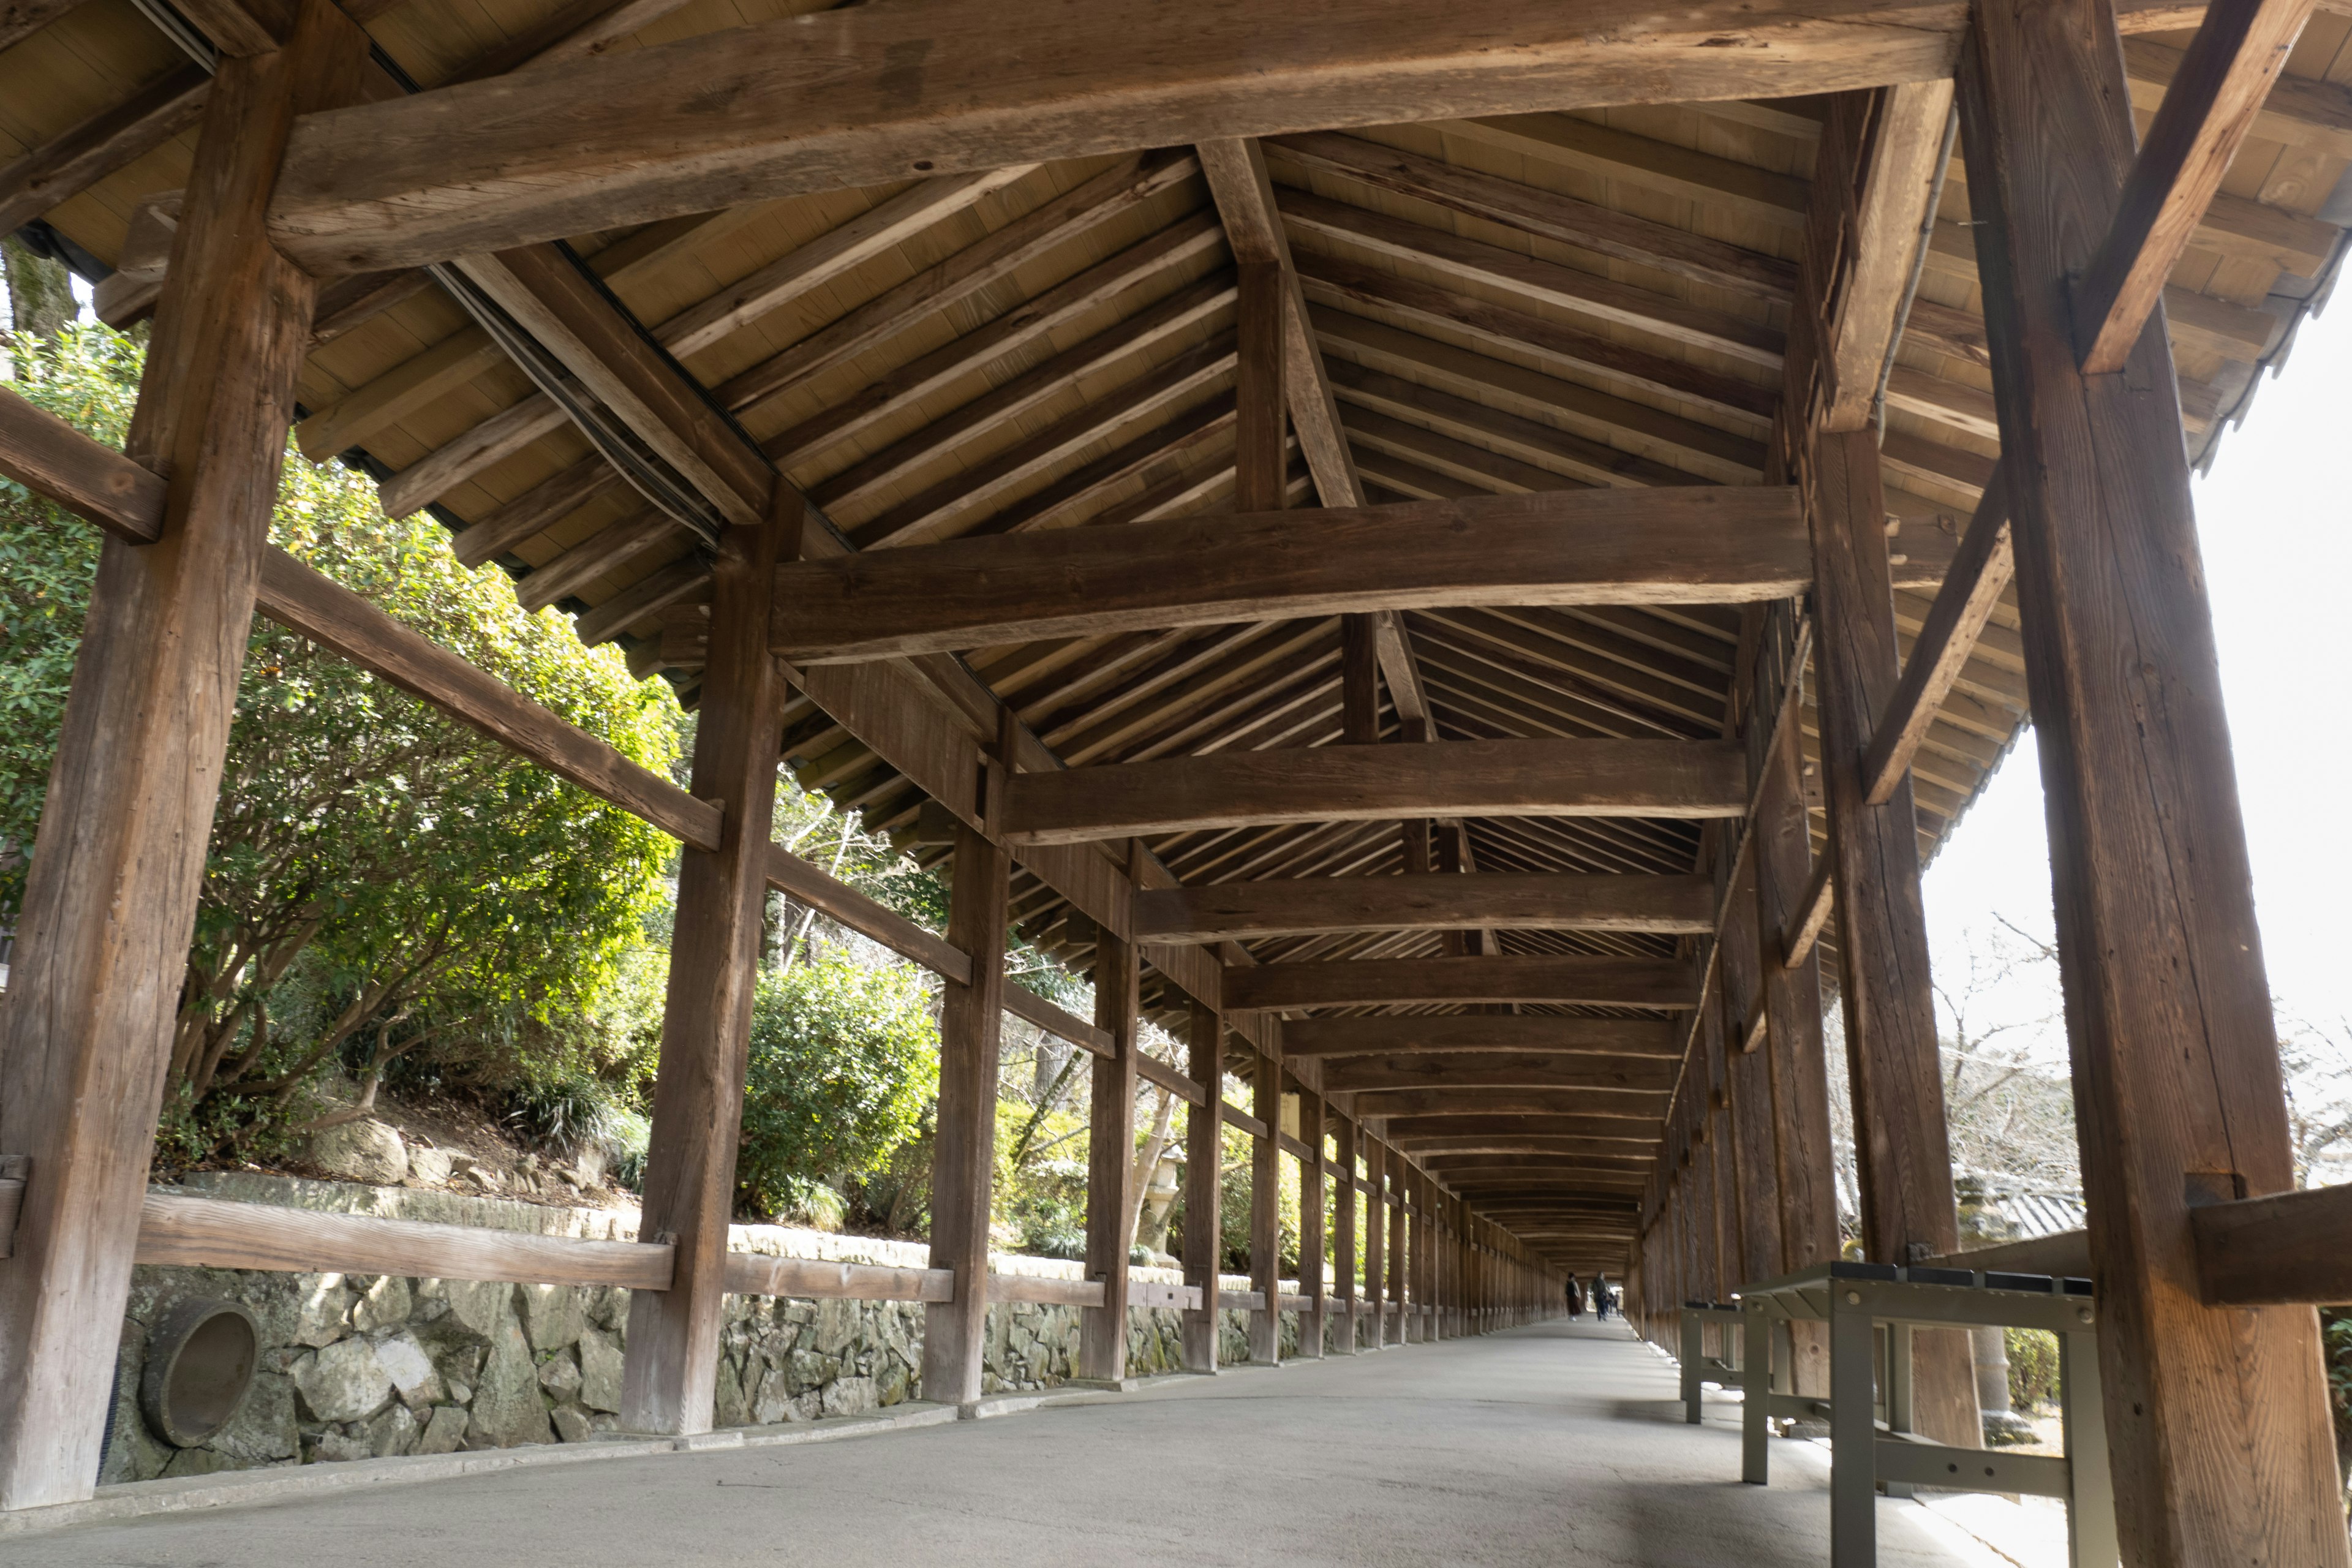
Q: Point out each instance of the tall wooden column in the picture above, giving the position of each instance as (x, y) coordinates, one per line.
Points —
(671, 1371)
(1203, 1187)
(1400, 1192)
(1376, 1235)
(1111, 1160)
(1904, 1160)
(2217, 1419)
(963, 1152)
(1796, 1060)
(1265, 1213)
(1747, 1076)
(1311, 1245)
(1343, 1229)
(112, 901)
(1259, 460)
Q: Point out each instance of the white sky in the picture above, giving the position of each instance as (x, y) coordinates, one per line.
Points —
(2273, 517)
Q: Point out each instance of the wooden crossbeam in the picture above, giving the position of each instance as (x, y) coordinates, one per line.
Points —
(1516, 977)
(2284, 1248)
(2227, 73)
(1509, 900)
(1437, 1153)
(1681, 546)
(79, 158)
(728, 117)
(1499, 1070)
(1979, 574)
(1431, 1127)
(1479, 1032)
(1678, 779)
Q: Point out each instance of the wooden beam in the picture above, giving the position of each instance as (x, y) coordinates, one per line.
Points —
(208, 1233)
(111, 902)
(1586, 981)
(1204, 1198)
(1234, 911)
(1980, 575)
(71, 163)
(1680, 546)
(1678, 779)
(1438, 1152)
(670, 1372)
(2280, 1250)
(89, 478)
(1382, 1035)
(1908, 143)
(761, 1274)
(1265, 1212)
(2238, 53)
(20, 19)
(2177, 1091)
(489, 165)
(1495, 1070)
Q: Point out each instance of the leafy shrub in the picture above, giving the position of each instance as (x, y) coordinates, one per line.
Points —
(843, 1062)
(2033, 1368)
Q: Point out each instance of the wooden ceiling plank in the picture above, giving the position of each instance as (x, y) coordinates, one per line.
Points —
(1581, 980)
(1529, 1069)
(73, 161)
(1238, 911)
(1383, 1036)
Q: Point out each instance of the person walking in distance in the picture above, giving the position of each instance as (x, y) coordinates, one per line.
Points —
(1575, 1299)
(1603, 1297)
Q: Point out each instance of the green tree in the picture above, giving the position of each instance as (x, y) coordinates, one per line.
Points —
(844, 1067)
(383, 882)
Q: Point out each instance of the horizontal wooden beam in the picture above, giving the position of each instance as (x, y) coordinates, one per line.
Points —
(88, 153)
(1056, 1020)
(1680, 546)
(1684, 779)
(1633, 1107)
(759, 1274)
(208, 1233)
(2287, 1249)
(2223, 79)
(1234, 1116)
(1484, 1071)
(868, 95)
(797, 879)
(1436, 1152)
(1156, 1071)
(306, 601)
(89, 478)
(1234, 911)
(1979, 574)
(1587, 980)
(1479, 1032)
(1417, 1129)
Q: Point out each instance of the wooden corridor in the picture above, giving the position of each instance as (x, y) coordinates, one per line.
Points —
(1462, 581)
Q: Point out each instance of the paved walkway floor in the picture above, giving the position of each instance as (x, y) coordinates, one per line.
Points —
(1554, 1443)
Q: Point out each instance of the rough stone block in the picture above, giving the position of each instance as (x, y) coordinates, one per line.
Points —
(445, 1432)
(343, 1381)
(836, 1326)
(600, 1371)
(508, 1408)
(850, 1396)
(405, 1361)
(773, 1403)
(561, 1377)
(362, 1151)
(572, 1424)
(386, 1304)
(393, 1432)
(332, 1445)
(264, 1431)
(324, 1314)
(553, 1315)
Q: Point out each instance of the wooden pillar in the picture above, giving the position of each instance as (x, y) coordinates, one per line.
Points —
(671, 1370)
(1311, 1281)
(1266, 1214)
(1343, 1229)
(963, 1155)
(1259, 461)
(1747, 1075)
(111, 904)
(1905, 1161)
(1204, 1193)
(1398, 1192)
(2216, 1419)
(1797, 1062)
(1376, 1238)
(1111, 1160)
(1424, 1258)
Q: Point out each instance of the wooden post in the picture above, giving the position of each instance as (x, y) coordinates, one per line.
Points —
(111, 904)
(1343, 1229)
(1259, 461)
(1376, 1234)
(1265, 1213)
(1399, 1192)
(2216, 1419)
(1796, 1060)
(1203, 1190)
(1311, 1281)
(1110, 1160)
(1749, 1080)
(671, 1371)
(1905, 1161)
(963, 1155)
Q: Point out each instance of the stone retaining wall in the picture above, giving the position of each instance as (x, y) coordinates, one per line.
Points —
(360, 1367)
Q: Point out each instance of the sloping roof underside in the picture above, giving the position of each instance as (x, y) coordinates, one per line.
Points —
(1055, 348)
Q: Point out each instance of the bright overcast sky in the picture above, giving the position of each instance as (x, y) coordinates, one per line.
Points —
(2272, 515)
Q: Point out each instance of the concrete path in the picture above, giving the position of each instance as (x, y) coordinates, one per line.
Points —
(1555, 1444)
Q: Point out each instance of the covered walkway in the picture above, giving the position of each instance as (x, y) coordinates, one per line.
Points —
(1553, 1444)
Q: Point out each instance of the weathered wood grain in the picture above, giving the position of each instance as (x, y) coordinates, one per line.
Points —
(759, 1274)
(1683, 545)
(77, 159)
(89, 478)
(1497, 1069)
(1978, 577)
(1379, 1034)
(1204, 1201)
(589, 145)
(209, 1233)
(1225, 911)
(1589, 981)
(1681, 779)
(2287, 1249)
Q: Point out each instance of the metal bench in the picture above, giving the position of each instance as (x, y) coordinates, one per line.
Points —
(1872, 1440)
(1700, 1368)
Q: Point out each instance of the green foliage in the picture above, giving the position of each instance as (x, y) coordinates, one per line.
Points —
(2033, 1368)
(2336, 1341)
(1041, 1168)
(844, 1064)
(384, 885)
